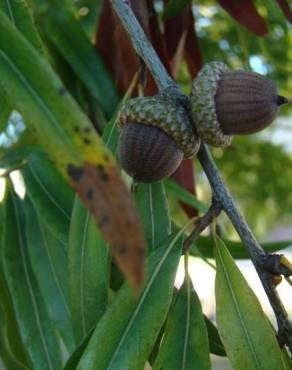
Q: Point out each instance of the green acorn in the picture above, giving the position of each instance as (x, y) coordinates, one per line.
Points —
(156, 136)
(225, 103)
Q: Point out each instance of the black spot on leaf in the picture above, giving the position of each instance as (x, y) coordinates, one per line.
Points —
(122, 249)
(89, 193)
(74, 172)
(62, 91)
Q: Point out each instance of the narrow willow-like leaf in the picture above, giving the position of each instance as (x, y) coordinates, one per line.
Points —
(177, 191)
(215, 343)
(286, 359)
(205, 245)
(248, 337)
(110, 134)
(50, 194)
(174, 7)
(34, 323)
(68, 36)
(6, 355)
(20, 16)
(88, 272)
(5, 110)
(10, 331)
(185, 341)
(152, 204)
(66, 133)
(75, 357)
(50, 266)
(126, 334)
(16, 157)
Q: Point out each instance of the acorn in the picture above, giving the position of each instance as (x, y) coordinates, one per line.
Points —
(156, 136)
(226, 103)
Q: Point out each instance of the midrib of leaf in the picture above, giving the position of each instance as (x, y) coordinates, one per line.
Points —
(144, 295)
(82, 273)
(111, 133)
(53, 268)
(40, 101)
(10, 11)
(74, 54)
(151, 215)
(166, 205)
(30, 289)
(188, 319)
(56, 204)
(241, 319)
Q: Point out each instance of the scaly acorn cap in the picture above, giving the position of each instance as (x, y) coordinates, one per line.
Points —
(157, 111)
(225, 103)
(203, 108)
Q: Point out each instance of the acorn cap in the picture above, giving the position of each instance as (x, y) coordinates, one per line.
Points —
(157, 111)
(203, 107)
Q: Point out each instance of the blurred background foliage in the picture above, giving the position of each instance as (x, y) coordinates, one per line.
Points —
(258, 168)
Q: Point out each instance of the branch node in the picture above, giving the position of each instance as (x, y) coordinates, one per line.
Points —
(275, 264)
(203, 222)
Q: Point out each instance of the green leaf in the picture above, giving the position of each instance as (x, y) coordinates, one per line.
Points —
(50, 266)
(110, 134)
(88, 271)
(74, 358)
(10, 331)
(177, 191)
(237, 250)
(174, 7)
(286, 359)
(65, 132)
(14, 158)
(153, 208)
(248, 337)
(50, 194)
(5, 354)
(119, 331)
(215, 343)
(34, 324)
(20, 16)
(5, 110)
(185, 341)
(68, 36)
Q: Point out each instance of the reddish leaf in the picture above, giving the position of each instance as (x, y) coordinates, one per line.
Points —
(246, 14)
(157, 38)
(184, 176)
(115, 46)
(176, 29)
(103, 192)
(193, 53)
(140, 9)
(283, 4)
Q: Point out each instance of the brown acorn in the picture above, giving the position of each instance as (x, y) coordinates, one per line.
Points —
(225, 103)
(156, 136)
